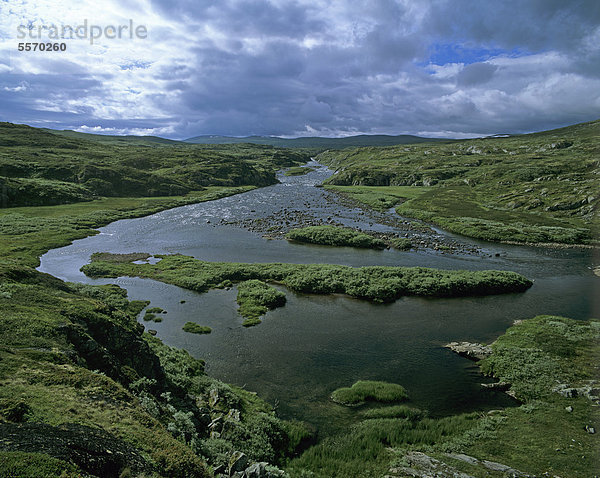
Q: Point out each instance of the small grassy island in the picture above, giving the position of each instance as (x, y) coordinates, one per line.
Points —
(334, 236)
(194, 328)
(255, 298)
(376, 283)
(369, 390)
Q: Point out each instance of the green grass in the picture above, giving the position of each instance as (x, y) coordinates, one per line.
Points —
(395, 411)
(334, 236)
(369, 390)
(379, 197)
(401, 243)
(368, 448)
(538, 188)
(297, 171)
(194, 328)
(22, 464)
(255, 298)
(541, 352)
(535, 356)
(375, 283)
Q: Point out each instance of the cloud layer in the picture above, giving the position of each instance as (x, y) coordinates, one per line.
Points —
(438, 67)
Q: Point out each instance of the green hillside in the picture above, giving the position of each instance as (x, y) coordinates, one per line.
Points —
(540, 187)
(38, 167)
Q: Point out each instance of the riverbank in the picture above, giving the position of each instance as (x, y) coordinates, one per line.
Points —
(534, 188)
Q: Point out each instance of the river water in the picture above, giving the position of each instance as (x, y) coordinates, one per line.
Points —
(315, 344)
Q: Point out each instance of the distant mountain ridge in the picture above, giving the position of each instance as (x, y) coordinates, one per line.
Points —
(110, 138)
(316, 141)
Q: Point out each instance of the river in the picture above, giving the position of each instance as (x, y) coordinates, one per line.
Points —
(315, 344)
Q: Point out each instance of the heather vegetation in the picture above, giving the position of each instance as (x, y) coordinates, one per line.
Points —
(376, 283)
(538, 188)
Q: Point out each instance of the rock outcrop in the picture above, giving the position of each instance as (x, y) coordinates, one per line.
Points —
(473, 351)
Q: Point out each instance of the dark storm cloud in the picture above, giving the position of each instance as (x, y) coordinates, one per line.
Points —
(317, 67)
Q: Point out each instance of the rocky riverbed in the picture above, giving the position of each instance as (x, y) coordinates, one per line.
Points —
(366, 219)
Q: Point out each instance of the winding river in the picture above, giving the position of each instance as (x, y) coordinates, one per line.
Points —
(315, 344)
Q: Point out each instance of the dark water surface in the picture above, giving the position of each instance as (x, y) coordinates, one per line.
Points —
(315, 344)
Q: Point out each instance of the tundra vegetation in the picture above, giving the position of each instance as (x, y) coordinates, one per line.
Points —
(537, 188)
(41, 168)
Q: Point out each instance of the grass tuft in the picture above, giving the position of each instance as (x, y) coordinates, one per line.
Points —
(368, 390)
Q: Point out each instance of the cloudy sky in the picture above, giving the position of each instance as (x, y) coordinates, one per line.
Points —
(453, 68)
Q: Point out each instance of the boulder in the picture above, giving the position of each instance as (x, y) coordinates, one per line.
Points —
(237, 462)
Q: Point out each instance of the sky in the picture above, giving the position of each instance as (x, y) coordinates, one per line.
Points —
(437, 68)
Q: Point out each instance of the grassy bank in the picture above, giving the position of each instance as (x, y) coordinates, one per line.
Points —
(539, 188)
(334, 236)
(377, 284)
(545, 435)
(28, 232)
